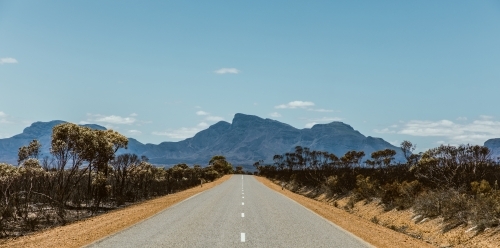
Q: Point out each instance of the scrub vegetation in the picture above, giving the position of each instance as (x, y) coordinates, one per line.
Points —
(457, 184)
(85, 177)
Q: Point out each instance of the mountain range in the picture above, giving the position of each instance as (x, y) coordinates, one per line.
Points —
(247, 139)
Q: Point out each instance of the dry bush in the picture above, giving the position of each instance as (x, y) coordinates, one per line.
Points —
(400, 195)
(366, 187)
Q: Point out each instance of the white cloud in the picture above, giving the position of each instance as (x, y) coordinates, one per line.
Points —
(461, 118)
(227, 71)
(395, 143)
(384, 130)
(134, 132)
(115, 119)
(133, 114)
(310, 124)
(3, 118)
(110, 119)
(183, 132)
(214, 118)
(275, 115)
(8, 61)
(295, 104)
(475, 132)
(203, 125)
(201, 113)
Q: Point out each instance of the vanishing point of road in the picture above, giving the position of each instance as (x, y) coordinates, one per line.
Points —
(240, 212)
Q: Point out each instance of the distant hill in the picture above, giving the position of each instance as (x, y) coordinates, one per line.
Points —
(42, 131)
(246, 140)
(494, 146)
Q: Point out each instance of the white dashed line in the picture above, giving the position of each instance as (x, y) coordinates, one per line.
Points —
(242, 215)
(243, 197)
(242, 237)
(242, 203)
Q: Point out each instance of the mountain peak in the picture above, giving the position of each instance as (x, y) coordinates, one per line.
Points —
(244, 117)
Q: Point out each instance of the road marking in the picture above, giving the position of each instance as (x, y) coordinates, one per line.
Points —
(243, 197)
(242, 193)
(242, 215)
(242, 237)
(242, 203)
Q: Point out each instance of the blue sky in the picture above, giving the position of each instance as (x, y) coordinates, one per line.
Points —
(424, 71)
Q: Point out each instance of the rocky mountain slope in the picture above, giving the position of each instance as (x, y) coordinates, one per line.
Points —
(494, 146)
(247, 139)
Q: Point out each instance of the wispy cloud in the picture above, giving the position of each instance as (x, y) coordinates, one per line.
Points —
(475, 132)
(227, 71)
(134, 132)
(3, 118)
(209, 117)
(110, 119)
(8, 61)
(310, 124)
(295, 104)
(183, 132)
(214, 118)
(201, 113)
(275, 115)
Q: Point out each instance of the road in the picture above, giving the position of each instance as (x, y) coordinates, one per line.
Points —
(240, 212)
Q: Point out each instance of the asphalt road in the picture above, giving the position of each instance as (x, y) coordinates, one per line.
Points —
(240, 212)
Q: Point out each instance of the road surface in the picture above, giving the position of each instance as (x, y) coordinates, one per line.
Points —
(240, 212)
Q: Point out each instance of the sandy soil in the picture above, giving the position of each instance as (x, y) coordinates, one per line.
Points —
(89, 230)
(374, 234)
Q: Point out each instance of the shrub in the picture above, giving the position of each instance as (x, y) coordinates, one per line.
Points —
(400, 195)
(366, 188)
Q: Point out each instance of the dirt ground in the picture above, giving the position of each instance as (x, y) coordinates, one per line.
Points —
(89, 230)
(374, 234)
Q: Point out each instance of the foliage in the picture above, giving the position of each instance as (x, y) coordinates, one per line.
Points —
(84, 177)
(459, 183)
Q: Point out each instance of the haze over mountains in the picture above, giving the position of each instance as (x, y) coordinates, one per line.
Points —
(246, 140)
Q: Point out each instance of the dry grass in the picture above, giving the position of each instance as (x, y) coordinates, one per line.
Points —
(89, 230)
(372, 233)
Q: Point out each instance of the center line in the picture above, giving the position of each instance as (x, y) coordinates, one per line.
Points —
(243, 197)
(242, 203)
(242, 215)
(242, 237)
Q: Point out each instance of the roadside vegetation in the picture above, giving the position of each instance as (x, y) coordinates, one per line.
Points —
(457, 184)
(84, 177)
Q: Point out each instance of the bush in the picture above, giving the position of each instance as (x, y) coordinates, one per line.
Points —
(366, 188)
(400, 195)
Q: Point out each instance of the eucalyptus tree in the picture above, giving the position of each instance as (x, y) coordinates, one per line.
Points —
(32, 150)
(75, 146)
(221, 165)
